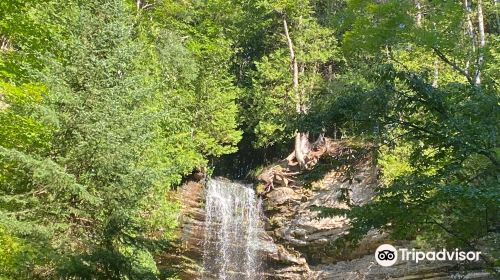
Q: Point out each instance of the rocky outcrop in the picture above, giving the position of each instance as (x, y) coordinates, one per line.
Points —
(345, 175)
(299, 243)
(189, 255)
(367, 269)
(191, 230)
(294, 223)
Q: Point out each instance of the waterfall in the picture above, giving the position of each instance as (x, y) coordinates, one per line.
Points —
(232, 228)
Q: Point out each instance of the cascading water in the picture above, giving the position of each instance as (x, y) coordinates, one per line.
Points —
(232, 229)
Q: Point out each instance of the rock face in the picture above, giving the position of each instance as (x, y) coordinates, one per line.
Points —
(191, 234)
(191, 231)
(300, 241)
(349, 179)
(305, 239)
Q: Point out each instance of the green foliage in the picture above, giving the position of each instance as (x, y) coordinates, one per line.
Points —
(97, 127)
(436, 129)
(20, 127)
(271, 101)
(10, 255)
(106, 106)
(213, 93)
(395, 163)
(439, 179)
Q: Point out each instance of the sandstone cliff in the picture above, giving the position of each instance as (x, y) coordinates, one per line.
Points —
(301, 241)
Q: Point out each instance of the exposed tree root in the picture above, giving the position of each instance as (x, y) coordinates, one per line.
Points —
(286, 172)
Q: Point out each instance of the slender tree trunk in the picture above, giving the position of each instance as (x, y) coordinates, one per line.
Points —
(495, 4)
(294, 66)
(436, 73)
(419, 13)
(435, 80)
(299, 136)
(330, 72)
(482, 42)
(480, 19)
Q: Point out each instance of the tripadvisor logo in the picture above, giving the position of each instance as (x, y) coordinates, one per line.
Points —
(388, 255)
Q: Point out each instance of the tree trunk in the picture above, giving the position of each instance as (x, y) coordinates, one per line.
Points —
(436, 73)
(294, 67)
(419, 13)
(435, 80)
(496, 15)
(299, 136)
(482, 42)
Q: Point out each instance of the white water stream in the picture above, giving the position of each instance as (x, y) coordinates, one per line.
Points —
(232, 227)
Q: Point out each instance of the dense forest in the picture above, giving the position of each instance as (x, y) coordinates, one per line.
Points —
(107, 105)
